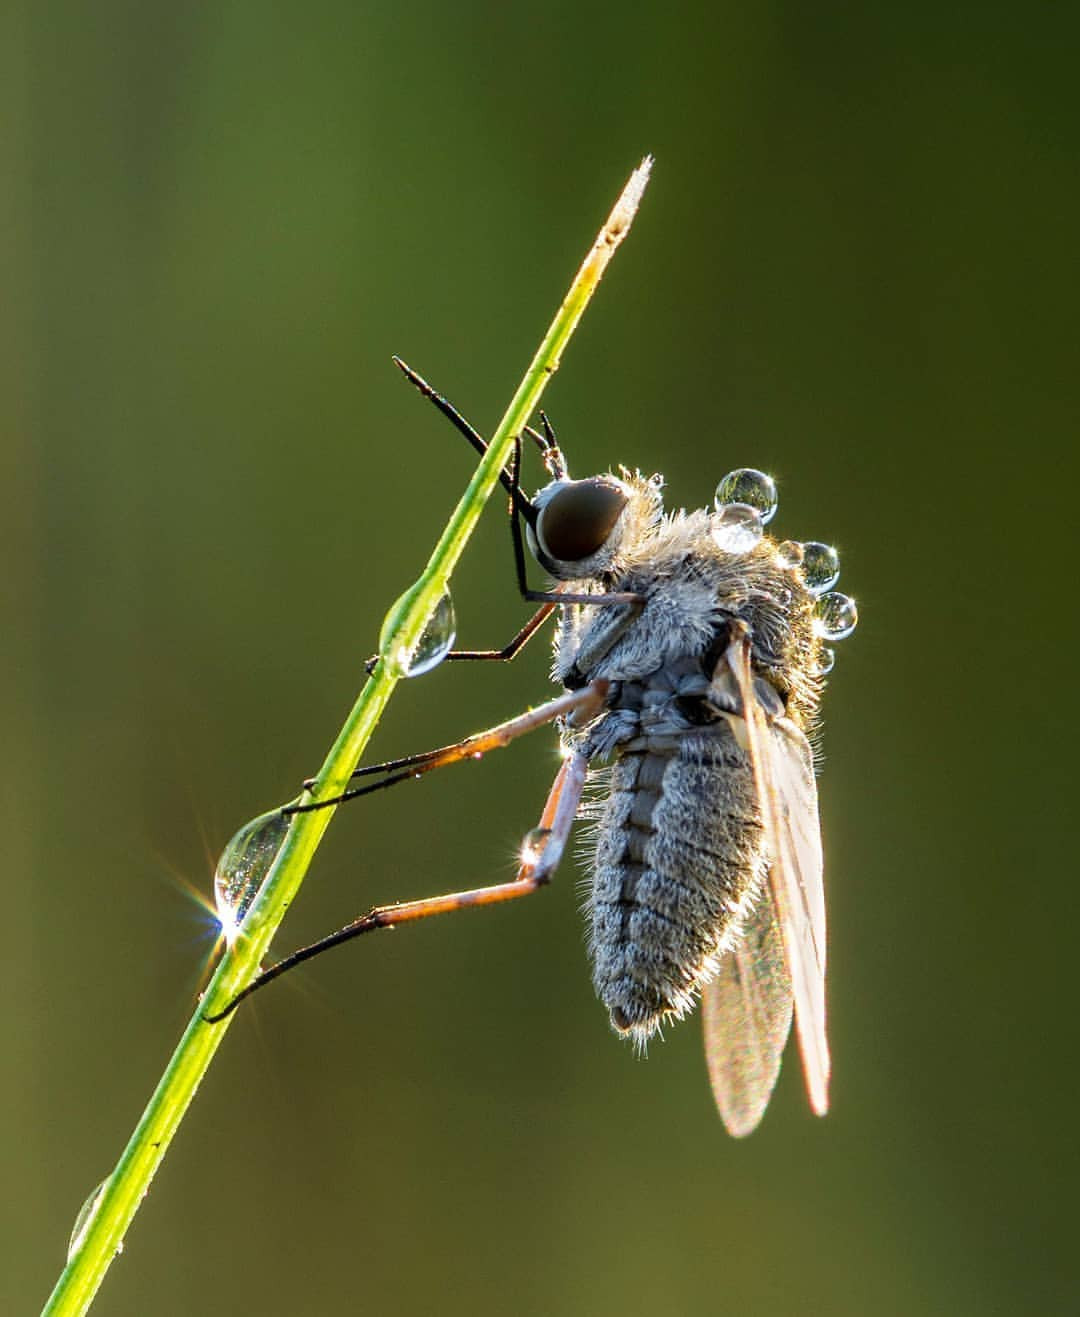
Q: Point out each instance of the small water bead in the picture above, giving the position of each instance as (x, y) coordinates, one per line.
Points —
(85, 1216)
(790, 553)
(835, 616)
(436, 639)
(826, 661)
(244, 863)
(533, 844)
(821, 566)
(754, 488)
(736, 527)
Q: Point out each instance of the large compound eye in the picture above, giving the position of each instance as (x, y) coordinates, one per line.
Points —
(578, 519)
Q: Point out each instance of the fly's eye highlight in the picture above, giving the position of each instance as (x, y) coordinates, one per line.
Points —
(578, 519)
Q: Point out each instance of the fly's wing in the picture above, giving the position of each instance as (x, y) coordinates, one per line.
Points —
(746, 1012)
(784, 775)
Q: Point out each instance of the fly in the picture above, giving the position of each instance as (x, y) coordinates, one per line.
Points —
(691, 649)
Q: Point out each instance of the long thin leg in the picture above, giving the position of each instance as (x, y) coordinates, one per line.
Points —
(538, 863)
(509, 651)
(463, 427)
(512, 647)
(519, 504)
(578, 706)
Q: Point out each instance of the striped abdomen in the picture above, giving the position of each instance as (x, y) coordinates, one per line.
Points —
(678, 857)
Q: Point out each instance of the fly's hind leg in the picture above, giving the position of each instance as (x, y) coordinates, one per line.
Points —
(540, 856)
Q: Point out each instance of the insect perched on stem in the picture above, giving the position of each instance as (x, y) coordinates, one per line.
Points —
(691, 647)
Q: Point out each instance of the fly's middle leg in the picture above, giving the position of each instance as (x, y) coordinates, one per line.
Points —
(577, 706)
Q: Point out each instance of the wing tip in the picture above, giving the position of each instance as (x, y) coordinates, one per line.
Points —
(741, 1131)
(817, 1090)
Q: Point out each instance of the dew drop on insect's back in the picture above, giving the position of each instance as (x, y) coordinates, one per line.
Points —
(835, 616)
(85, 1216)
(244, 863)
(736, 527)
(821, 566)
(790, 553)
(754, 488)
(436, 640)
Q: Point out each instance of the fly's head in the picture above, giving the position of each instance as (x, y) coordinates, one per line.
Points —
(582, 529)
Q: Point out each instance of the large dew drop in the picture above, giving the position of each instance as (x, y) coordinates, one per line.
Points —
(86, 1215)
(754, 488)
(244, 863)
(835, 616)
(436, 640)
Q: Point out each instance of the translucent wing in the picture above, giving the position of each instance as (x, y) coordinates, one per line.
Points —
(784, 774)
(746, 1012)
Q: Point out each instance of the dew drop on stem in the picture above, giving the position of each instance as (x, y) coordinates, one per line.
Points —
(86, 1214)
(244, 863)
(436, 640)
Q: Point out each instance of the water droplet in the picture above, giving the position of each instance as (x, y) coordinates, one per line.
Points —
(826, 661)
(754, 488)
(790, 553)
(821, 566)
(736, 527)
(436, 640)
(244, 863)
(86, 1215)
(835, 616)
(533, 844)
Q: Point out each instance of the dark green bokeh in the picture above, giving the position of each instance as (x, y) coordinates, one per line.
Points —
(856, 268)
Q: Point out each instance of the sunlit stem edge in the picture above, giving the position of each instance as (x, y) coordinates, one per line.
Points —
(131, 1178)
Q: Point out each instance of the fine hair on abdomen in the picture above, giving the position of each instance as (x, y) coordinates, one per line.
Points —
(677, 862)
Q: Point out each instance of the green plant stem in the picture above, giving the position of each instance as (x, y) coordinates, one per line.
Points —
(130, 1180)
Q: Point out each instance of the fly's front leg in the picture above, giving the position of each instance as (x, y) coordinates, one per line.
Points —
(509, 651)
(540, 855)
(512, 647)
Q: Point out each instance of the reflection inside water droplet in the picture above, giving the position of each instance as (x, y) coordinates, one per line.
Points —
(85, 1216)
(835, 616)
(826, 661)
(736, 527)
(436, 640)
(821, 566)
(244, 863)
(533, 845)
(754, 488)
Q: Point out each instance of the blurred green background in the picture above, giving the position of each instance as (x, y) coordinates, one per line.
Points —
(855, 267)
